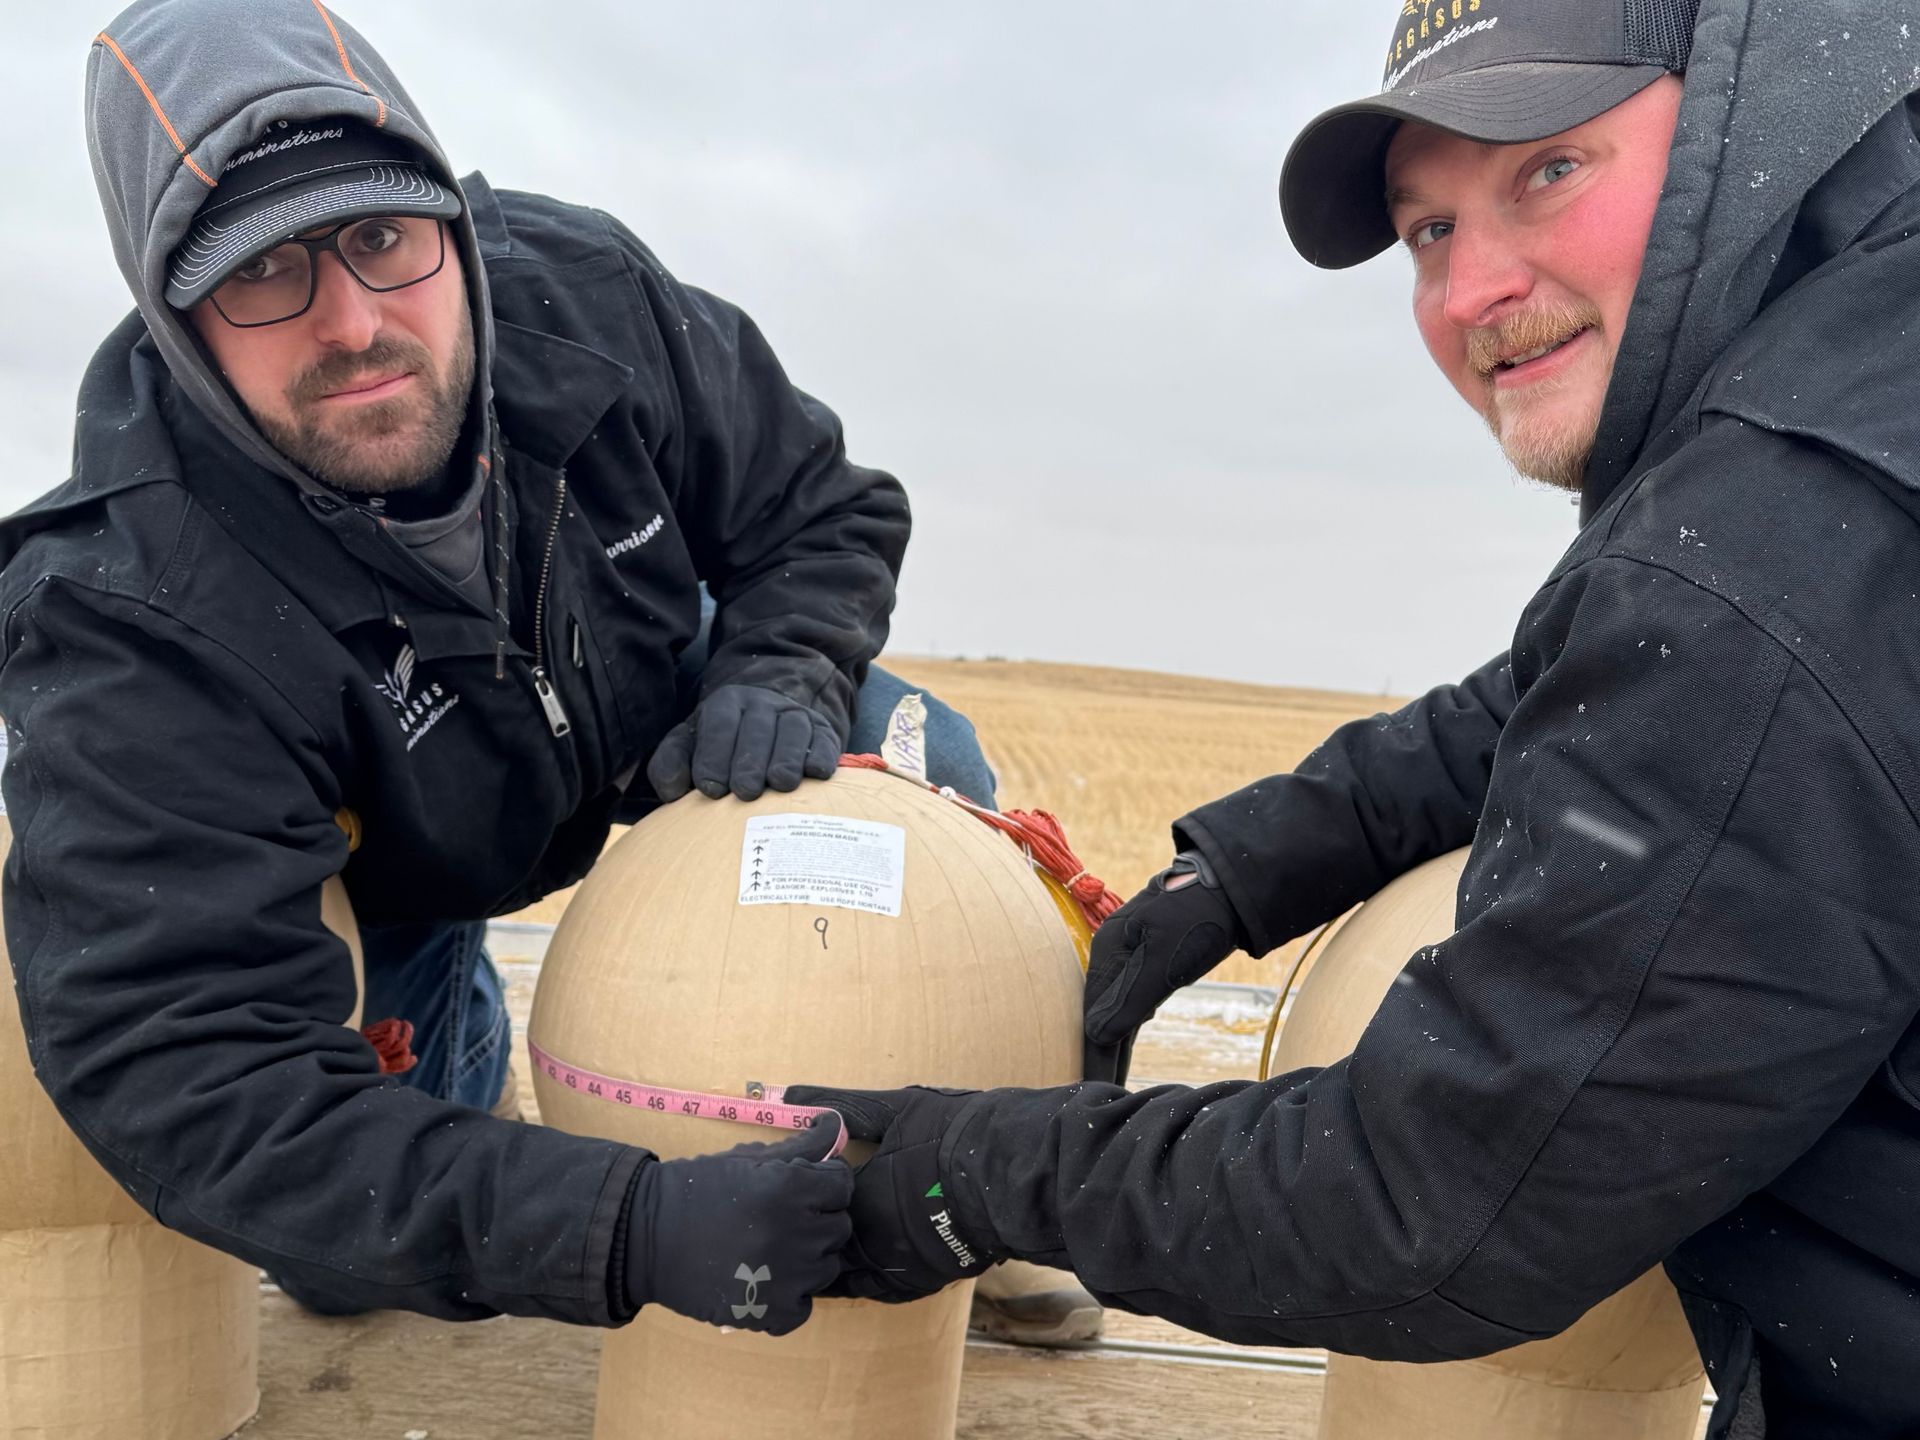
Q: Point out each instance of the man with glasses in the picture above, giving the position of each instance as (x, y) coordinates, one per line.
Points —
(387, 252)
(370, 419)
(417, 532)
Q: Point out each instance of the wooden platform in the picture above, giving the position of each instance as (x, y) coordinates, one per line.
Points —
(394, 1376)
(404, 1377)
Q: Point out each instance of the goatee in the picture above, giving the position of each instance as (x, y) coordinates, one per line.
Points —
(1553, 447)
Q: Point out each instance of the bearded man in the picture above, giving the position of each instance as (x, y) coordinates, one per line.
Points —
(417, 532)
(1673, 259)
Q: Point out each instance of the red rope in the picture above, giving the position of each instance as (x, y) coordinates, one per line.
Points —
(392, 1041)
(1040, 835)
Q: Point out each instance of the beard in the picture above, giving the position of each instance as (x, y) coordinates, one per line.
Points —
(394, 444)
(1546, 431)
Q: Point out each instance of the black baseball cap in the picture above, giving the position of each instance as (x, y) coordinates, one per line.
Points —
(300, 175)
(1501, 71)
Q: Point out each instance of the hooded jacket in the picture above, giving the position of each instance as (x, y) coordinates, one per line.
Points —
(224, 683)
(1676, 1019)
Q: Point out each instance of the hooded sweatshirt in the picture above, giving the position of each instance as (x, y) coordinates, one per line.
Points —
(175, 90)
(152, 184)
(1676, 1019)
(1775, 96)
(224, 684)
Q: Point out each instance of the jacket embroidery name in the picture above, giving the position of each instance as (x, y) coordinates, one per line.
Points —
(637, 538)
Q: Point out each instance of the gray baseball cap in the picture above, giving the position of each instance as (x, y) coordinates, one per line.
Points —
(1501, 71)
(299, 176)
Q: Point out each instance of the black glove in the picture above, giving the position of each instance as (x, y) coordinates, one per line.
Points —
(745, 739)
(907, 1242)
(1164, 938)
(745, 1238)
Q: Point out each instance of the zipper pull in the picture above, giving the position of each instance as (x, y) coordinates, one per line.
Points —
(550, 702)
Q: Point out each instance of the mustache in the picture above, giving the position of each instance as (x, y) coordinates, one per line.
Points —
(1524, 331)
(386, 355)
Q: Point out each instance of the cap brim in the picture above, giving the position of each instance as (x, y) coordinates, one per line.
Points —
(214, 248)
(1333, 184)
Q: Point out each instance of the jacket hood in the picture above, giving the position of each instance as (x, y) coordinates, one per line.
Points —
(1777, 96)
(175, 89)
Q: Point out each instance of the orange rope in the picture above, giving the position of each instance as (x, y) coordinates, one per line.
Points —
(1036, 832)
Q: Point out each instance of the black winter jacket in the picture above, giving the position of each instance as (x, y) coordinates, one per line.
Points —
(210, 675)
(1676, 1021)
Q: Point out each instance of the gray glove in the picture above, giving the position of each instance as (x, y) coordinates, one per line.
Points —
(746, 739)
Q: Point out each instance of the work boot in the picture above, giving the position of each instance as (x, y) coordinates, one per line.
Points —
(1024, 1304)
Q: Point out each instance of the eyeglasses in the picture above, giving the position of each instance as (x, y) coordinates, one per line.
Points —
(387, 252)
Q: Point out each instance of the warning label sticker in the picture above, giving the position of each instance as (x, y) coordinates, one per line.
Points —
(823, 860)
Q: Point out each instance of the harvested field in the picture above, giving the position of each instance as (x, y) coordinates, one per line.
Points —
(1119, 754)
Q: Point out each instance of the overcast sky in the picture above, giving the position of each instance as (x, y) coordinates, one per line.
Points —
(1029, 252)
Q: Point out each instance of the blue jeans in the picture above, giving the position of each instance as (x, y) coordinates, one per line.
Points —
(438, 975)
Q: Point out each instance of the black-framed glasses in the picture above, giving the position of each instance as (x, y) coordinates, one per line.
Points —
(384, 252)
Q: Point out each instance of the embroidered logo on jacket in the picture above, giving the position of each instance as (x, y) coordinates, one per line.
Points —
(418, 713)
(638, 538)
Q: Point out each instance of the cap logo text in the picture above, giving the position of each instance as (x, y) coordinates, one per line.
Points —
(1409, 51)
(273, 147)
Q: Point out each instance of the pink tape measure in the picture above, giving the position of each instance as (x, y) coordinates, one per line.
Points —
(762, 1105)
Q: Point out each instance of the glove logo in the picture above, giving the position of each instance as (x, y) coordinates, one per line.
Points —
(943, 1227)
(753, 1278)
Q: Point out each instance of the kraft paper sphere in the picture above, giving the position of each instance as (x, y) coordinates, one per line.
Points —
(1627, 1370)
(110, 1325)
(659, 974)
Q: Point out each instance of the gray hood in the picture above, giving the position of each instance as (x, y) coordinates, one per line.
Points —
(175, 89)
(1776, 95)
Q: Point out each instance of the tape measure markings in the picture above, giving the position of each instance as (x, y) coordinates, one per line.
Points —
(762, 1105)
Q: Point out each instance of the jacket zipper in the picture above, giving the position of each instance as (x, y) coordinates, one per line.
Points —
(543, 687)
